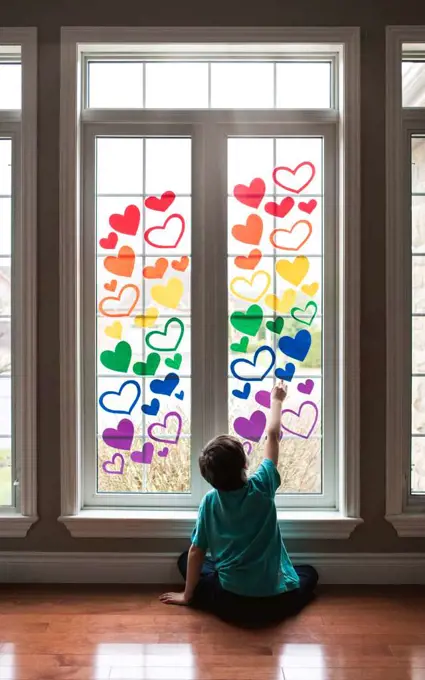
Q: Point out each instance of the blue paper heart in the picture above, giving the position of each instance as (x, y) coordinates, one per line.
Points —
(179, 395)
(166, 386)
(243, 394)
(124, 387)
(241, 362)
(297, 347)
(152, 408)
(286, 373)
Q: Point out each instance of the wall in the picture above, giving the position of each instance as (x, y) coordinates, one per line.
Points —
(372, 16)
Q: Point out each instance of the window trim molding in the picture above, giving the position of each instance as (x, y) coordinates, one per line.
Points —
(298, 525)
(18, 522)
(406, 523)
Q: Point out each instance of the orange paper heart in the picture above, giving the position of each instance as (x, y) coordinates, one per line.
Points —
(181, 265)
(250, 232)
(158, 270)
(121, 264)
(248, 261)
(118, 312)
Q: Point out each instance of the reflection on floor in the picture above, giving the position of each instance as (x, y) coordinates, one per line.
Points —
(90, 633)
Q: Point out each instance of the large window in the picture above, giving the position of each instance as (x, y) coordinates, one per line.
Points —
(210, 228)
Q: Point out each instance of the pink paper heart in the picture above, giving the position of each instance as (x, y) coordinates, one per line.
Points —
(263, 398)
(167, 432)
(306, 387)
(145, 455)
(110, 466)
(313, 413)
(247, 447)
(163, 452)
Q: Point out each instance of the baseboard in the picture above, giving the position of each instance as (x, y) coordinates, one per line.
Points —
(339, 568)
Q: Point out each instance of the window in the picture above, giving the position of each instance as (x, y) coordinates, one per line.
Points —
(17, 279)
(211, 264)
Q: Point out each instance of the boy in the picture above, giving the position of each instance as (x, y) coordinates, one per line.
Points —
(250, 579)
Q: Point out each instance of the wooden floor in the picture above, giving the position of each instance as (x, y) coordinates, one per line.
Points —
(91, 633)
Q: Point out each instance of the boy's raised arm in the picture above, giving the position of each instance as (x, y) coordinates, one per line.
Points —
(271, 449)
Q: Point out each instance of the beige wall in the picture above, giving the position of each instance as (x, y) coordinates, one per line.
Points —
(372, 16)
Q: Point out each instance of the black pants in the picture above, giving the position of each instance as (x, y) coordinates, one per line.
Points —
(248, 611)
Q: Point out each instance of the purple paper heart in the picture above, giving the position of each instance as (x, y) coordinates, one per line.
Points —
(122, 437)
(172, 418)
(263, 398)
(306, 387)
(251, 428)
(163, 452)
(145, 455)
(247, 447)
(313, 412)
(109, 466)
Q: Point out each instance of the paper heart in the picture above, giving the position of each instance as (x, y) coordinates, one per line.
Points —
(250, 232)
(172, 421)
(263, 398)
(152, 408)
(110, 466)
(147, 319)
(286, 373)
(168, 295)
(124, 400)
(250, 195)
(249, 261)
(168, 235)
(306, 387)
(294, 271)
(167, 340)
(251, 290)
(145, 455)
(179, 395)
(161, 204)
(174, 363)
(293, 238)
(121, 437)
(294, 180)
(275, 326)
(117, 359)
(180, 265)
(295, 429)
(297, 347)
(244, 393)
(121, 264)
(247, 446)
(128, 223)
(239, 367)
(165, 386)
(114, 330)
(296, 313)
(111, 286)
(129, 291)
(308, 207)
(310, 289)
(241, 346)
(251, 428)
(148, 367)
(283, 304)
(248, 322)
(280, 209)
(156, 271)
(163, 453)
(110, 242)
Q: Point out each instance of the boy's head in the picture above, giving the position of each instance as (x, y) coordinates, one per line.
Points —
(223, 463)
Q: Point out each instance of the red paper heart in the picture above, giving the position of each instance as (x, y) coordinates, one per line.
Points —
(295, 185)
(280, 209)
(308, 207)
(162, 204)
(163, 228)
(110, 242)
(127, 223)
(251, 195)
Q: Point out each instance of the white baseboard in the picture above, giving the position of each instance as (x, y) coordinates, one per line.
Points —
(339, 568)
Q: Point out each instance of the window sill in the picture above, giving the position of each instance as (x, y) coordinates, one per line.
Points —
(408, 525)
(179, 524)
(15, 525)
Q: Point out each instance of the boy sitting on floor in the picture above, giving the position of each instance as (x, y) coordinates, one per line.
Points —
(249, 579)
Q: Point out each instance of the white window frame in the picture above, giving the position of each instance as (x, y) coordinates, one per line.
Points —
(338, 523)
(22, 127)
(405, 513)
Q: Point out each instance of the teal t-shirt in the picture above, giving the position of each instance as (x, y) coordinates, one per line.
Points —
(240, 530)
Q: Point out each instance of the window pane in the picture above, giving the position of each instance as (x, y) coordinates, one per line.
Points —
(176, 85)
(242, 85)
(275, 323)
(119, 166)
(115, 85)
(5, 227)
(5, 471)
(10, 86)
(143, 328)
(303, 85)
(418, 465)
(5, 167)
(413, 83)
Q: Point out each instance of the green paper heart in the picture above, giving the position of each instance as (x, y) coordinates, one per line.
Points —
(174, 363)
(275, 326)
(248, 322)
(306, 322)
(148, 367)
(163, 334)
(117, 359)
(241, 346)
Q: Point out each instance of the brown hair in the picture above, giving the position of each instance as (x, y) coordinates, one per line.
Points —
(223, 463)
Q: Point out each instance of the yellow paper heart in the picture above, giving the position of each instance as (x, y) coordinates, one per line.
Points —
(147, 319)
(168, 295)
(295, 271)
(282, 304)
(114, 331)
(239, 284)
(310, 289)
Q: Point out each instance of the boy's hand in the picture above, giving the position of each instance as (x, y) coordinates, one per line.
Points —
(279, 392)
(174, 598)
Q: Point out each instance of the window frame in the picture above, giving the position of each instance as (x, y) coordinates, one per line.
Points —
(21, 127)
(405, 511)
(337, 523)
